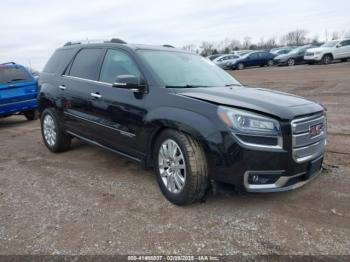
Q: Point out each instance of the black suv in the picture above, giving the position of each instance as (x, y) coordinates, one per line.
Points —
(180, 114)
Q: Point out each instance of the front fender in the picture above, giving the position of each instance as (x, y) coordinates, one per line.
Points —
(198, 126)
(180, 119)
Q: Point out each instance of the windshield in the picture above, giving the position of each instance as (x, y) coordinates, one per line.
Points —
(178, 69)
(330, 44)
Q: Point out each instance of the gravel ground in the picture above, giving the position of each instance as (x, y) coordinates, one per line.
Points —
(90, 201)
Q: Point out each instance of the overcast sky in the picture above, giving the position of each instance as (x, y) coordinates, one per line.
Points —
(31, 30)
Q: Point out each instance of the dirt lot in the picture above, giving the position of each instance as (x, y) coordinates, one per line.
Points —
(90, 201)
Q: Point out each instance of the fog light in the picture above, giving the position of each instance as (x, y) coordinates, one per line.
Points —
(263, 178)
(255, 179)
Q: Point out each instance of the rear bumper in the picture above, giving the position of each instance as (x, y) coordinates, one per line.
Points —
(18, 107)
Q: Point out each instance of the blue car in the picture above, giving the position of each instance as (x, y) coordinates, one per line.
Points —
(18, 91)
(256, 58)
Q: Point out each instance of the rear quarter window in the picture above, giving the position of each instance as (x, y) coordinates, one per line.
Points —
(13, 74)
(59, 61)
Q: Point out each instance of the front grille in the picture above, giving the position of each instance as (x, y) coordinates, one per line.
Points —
(307, 144)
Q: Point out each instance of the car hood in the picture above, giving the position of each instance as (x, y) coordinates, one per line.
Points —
(227, 61)
(317, 49)
(282, 105)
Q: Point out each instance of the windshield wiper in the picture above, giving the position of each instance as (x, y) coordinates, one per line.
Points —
(233, 85)
(187, 86)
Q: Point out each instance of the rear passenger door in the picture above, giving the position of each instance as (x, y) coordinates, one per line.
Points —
(76, 89)
(251, 59)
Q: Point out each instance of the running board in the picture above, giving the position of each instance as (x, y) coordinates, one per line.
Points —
(104, 147)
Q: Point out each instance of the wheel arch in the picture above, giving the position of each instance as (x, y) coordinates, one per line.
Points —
(45, 102)
(330, 54)
(183, 122)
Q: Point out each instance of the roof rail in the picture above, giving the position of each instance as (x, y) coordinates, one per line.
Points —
(113, 40)
(117, 41)
(168, 46)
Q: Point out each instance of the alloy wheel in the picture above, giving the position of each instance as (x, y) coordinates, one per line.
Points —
(172, 166)
(49, 130)
(291, 62)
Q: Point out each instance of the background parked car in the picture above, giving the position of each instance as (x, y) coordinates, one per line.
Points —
(18, 91)
(281, 51)
(242, 52)
(256, 58)
(336, 49)
(225, 60)
(212, 57)
(295, 56)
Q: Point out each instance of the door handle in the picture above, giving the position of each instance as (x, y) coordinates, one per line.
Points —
(62, 87)
(95, 95)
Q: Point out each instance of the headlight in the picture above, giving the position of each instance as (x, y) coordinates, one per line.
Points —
(252, 129)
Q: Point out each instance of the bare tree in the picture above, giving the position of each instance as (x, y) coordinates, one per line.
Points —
(246, 42)
(296, 37)
(335, 35)
(315, 40)
(268, 44)
(234, 45)
(207, 48)
(189, 48)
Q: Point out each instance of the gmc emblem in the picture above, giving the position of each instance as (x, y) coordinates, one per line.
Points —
(315, 130)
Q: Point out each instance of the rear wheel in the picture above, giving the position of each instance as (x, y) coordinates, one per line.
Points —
(291, 62)
(54, 136)
(327, 59)
(31, 115)
(181, 167)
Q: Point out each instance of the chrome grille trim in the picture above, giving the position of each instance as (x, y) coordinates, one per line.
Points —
(305, 146)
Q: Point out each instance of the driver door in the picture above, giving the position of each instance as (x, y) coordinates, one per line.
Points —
(119, 112)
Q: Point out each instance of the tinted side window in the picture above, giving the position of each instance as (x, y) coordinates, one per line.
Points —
(86, 64)
(117, 63)
(58, 61)
(12, 74)
(345, 43)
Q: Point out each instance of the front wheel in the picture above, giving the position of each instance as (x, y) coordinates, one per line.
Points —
(240, 66)
(291, 62)
(270, 63)
(181, 167)
(327, 59)
(54, 136)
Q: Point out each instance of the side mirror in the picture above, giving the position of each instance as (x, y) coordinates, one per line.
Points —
(130, 82)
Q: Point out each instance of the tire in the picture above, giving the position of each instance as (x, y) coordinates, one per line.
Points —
(190, 170)
(291, 62)
(270, 63)
(327, 59)
(240, 66)
(53, 134)
(31, 115)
